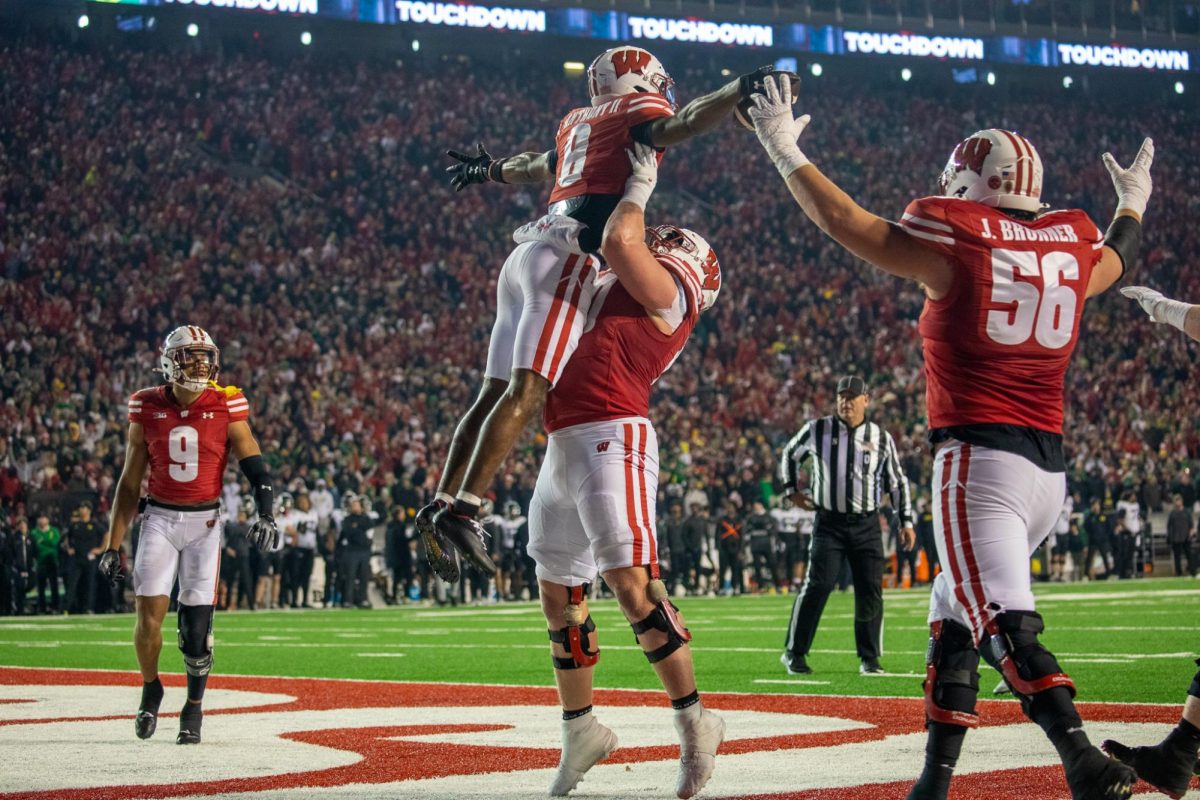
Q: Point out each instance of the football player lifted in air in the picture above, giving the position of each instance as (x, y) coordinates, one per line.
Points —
(1005, 283)
(546, 284)
(592, 509)
(182, 432)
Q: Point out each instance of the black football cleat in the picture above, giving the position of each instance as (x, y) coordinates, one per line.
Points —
(1094, 776)
(1165, 768)
(189, 724)
(442, 558)
(871, 666)
(795, 665)
(145, 724)
(467, 536)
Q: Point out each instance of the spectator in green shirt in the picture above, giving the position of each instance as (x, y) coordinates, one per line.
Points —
(46, 537)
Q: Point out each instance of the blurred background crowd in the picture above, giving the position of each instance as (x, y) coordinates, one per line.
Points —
(298, 210)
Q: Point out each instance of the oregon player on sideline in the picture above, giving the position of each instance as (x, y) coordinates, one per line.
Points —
(182, 432)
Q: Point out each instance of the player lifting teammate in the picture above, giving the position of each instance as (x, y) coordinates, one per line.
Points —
(593, 506)
(546, 284)
(183, 433)
(1005, 284)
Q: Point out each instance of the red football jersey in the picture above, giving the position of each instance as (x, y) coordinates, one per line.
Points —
(997, 346)
(620, 356)
(592, 144)
(188, 447)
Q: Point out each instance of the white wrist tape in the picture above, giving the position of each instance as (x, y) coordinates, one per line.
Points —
(1171, 312)
(637, 192)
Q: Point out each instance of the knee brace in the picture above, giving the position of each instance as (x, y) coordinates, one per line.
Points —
(576, 636)
(665, 617)
(1194, 689)
(951, 675)
(195, 638)
(1027, 666)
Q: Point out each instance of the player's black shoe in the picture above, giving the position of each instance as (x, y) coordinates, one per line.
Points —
(146, 721)
(190, 720)
(442, 558)
(795, 665)
(1165, 768)
(1094, 776)
(467, 536)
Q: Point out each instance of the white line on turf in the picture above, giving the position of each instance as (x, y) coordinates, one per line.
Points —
(798, 681)
(380, 655)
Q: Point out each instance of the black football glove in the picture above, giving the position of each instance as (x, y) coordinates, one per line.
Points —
(473, 169)
(112, 566)
(264, 533)
(752, 82)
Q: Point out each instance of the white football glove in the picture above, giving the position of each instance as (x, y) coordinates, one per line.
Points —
(776, 129)
(1161, 309)
(1133, 185)
(639, 187)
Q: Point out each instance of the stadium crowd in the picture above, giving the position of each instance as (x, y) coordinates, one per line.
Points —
(298, 210)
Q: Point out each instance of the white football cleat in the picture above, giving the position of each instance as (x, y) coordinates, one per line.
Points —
(585, 742)
(699, 737)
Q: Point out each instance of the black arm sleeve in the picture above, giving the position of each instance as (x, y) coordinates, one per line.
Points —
(552, 162)
(1125, 236)
(255, 470)
(641, 133)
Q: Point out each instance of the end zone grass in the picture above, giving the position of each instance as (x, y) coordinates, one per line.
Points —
(1129, 641)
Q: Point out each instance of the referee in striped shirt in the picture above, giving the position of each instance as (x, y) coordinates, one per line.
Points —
(853, 463)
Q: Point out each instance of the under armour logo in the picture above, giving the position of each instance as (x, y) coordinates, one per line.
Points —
(160, 415)
(207, 415)
(602, 447)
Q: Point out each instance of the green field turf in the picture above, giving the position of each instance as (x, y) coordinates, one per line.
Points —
(1120, 641)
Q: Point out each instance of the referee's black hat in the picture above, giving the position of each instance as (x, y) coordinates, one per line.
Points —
(851, 385)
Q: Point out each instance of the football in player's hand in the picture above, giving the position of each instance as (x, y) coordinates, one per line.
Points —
(742, 112)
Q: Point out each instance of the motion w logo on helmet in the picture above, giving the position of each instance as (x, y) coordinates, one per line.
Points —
(628, 61)
(971, 153)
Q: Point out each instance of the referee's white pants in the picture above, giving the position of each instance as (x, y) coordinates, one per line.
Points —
(991, 510)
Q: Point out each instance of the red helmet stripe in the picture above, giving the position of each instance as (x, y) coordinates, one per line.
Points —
(1020, 161)
(1032, 164)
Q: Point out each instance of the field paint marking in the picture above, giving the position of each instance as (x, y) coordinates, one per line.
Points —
(797, 681)
(380, 655)
(893, 675)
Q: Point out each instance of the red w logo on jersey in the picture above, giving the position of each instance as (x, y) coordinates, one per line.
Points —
(970, 154)
(628, 61)
(602, 447)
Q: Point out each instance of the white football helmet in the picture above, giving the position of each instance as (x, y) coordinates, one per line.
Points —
(189, 358)
(625, 70)
(997, 168)
(688, 248)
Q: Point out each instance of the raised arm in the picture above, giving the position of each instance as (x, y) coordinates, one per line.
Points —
(624, 243)
(530, 167)
(1124, 237)
(705, 112)
(875, 240)
(1177, 314)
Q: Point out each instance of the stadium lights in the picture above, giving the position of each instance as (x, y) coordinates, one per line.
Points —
(906, 74)
(84, 21)
(1178, 87)
(193, 30)
(573, 69)
(816, 69)
(991, 79)
(1067, 81)
(306, 38)
(416, 45)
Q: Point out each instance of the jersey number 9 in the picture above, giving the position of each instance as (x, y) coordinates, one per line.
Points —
(184, 445)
